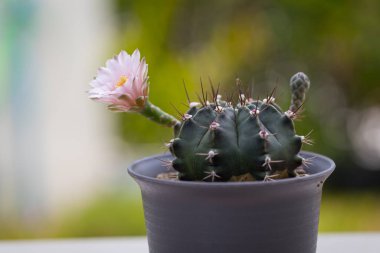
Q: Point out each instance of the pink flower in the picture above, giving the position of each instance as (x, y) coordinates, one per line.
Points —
(123, 83)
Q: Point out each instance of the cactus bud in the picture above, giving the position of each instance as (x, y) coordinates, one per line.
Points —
(299, 84)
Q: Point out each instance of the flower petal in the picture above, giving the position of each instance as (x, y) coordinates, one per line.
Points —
(123, 80)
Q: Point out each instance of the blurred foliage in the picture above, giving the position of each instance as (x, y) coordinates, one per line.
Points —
(263, 43)
(117, 214)
(335, 42)
(341, 211)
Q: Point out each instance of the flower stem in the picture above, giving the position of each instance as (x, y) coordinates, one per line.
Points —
(157, 115)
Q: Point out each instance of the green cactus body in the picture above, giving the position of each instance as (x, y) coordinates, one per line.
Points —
(218, 141)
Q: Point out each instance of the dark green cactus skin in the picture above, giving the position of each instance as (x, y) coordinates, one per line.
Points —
(218, 141)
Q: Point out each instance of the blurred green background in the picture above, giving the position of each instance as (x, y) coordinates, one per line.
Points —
(263, 43)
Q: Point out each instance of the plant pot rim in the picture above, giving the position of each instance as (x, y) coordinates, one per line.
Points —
(199, 184)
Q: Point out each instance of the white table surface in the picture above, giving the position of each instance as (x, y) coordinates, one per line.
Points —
(327, 243)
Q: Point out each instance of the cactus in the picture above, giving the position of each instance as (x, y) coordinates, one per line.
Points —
(218, 141)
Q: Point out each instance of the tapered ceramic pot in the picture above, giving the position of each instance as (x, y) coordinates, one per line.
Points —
(231, 217)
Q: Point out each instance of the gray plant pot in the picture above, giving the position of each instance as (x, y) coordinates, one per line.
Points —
(248, 217)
